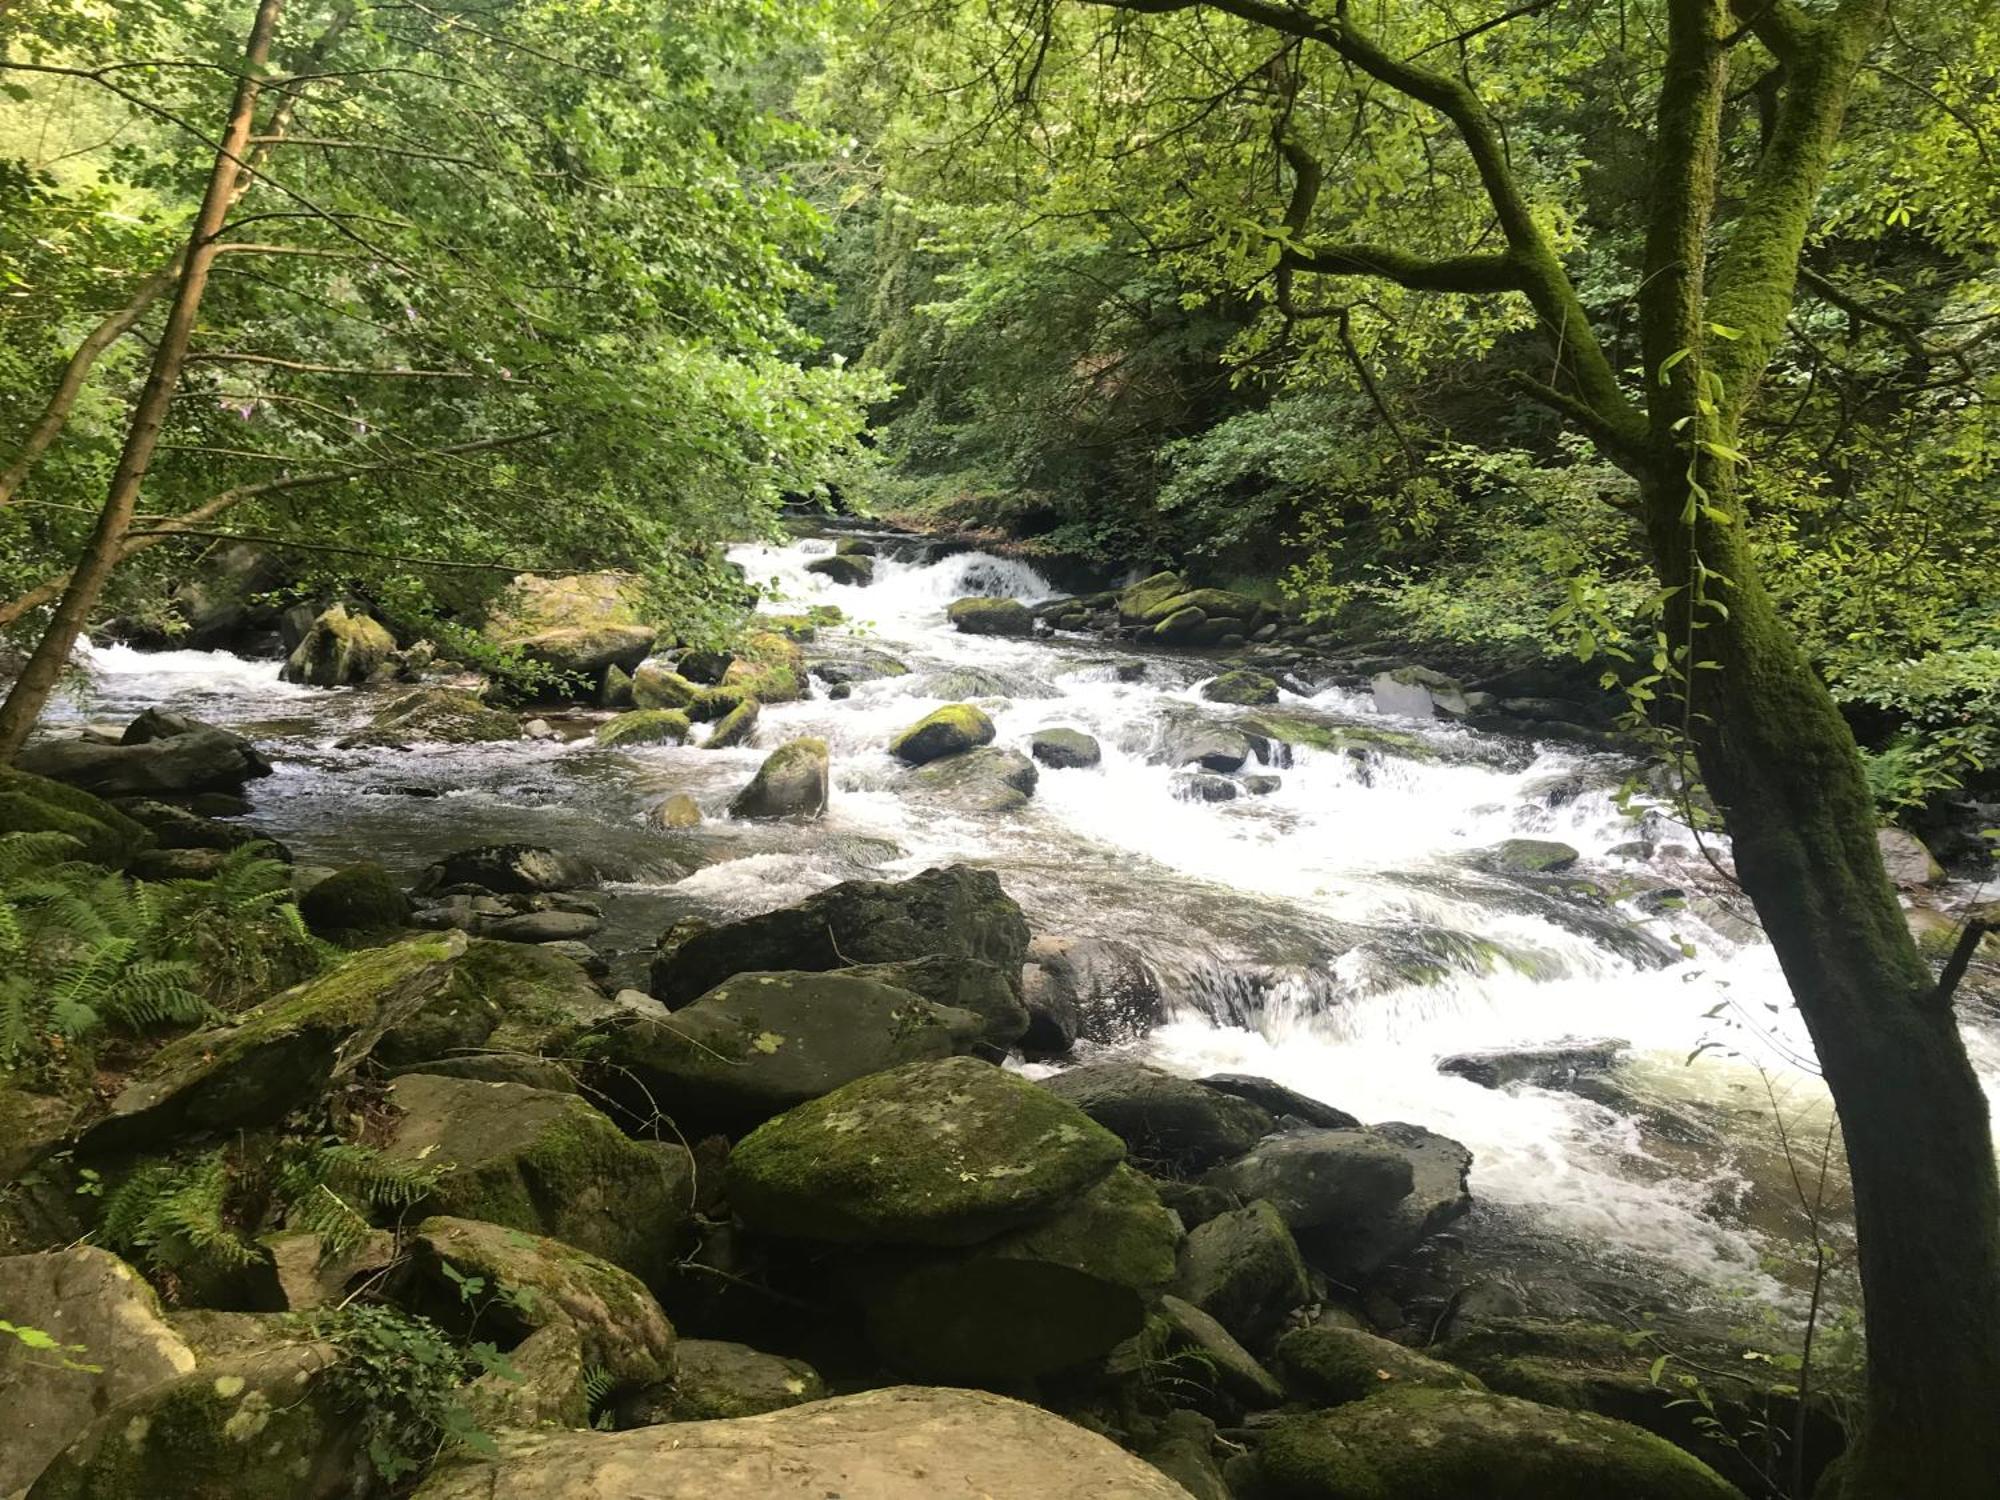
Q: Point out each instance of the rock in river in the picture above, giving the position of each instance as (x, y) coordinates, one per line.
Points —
(792, 783)
(951, 730)
(1064, 749)
(979, 615)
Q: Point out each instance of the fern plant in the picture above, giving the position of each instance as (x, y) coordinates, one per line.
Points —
(175, 1218)
(334, 1190)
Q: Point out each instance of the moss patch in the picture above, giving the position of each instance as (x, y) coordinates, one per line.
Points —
(645, 726)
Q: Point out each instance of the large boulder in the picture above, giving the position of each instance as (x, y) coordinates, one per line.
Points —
(544, 1162)
(757, 1044)
(266, 1421)
(620, 1328)
(404, 1003)
(793, 782)
(1326, 1365)
(1290, 1106)
(1064, 749)
(1415, 1442)
(1038, 1299)
(1418, 693)
(957, 911)
(846, 568)
(1909, 863)
(1243, 688)
(931, 1153)
(1244, 1269)
(111, 1344)
(645, 726)
(198, 758)
(1170, 1126)
(951, 730)
(433, 716)
(356, 905)
(987, 780)
(340, 648)
(735, 727)
(959, 983)
(581, 625)
(900, 1443)
(767, 667)
(1087, 989)
(980, 615)
(36, 804)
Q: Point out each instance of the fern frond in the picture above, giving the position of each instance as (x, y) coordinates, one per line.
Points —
(22, 853)
(153, 992)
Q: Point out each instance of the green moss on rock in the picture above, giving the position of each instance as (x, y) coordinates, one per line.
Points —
(645, 726)
(932, 1153)
(769, 668)
(355, 905)
(1328, 1366)
(951, 730)
(35, 804)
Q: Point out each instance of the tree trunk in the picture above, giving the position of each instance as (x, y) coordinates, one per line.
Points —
(1781, 763)
(100, 555)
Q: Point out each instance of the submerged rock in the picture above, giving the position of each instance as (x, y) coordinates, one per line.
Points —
(900, 1443)
(980, 615)
(931, 1153)
(1530, 857)
(792, 783)
(676, 812)
(434, 715)
(951, 730)
(987, 780)
(849, 568)
(956, 911)
(1473, 1444)
(1549, 1067)
(339, 649)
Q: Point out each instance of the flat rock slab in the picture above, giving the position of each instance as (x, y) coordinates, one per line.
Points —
(901, 1443)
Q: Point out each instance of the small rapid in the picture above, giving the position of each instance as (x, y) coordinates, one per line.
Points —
(1333, 934)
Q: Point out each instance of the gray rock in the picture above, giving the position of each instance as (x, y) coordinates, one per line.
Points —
(1244, 1269)
(1547, 1067)
(844, 568)
(988, 780)
(509, 868)
(1170, 1126)
(198, 758)
(1064, 749)
(339, 649)
(1087, 989)
(979, 615)
(1285, 1103)
(793, 782)
(1418, 693)
(1909, 863)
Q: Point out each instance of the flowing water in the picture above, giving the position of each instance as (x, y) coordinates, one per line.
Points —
(1331, 935)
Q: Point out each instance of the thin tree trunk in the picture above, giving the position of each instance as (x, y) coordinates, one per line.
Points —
(38, 679)
(1782, 764)
(62, 400)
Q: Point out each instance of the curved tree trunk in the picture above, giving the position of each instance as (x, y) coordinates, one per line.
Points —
(100, 555)
(1781, 763)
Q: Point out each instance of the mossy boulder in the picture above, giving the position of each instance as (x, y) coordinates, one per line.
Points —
(645, 726)
(1238, 1375)
(434, 715)
(1244, 1269)
(676, 812)
(655, 685)
(715, 1380)
(959, 983)
(1328, 1366)
(356, 905)
(340, 648)
(1035, 1300)
(1145, 600)
(267, 1422)
(757, 1044)
(987, 780)
(979, 615)
(38, 804)
(621, 1329)
(735, 727)
(768, 667)
(1530, 856)
(100, 1309)
(1248, 689)
(847, 568)
(1064, 749)
(1170, 1125)
(1334, 736)
(932, 1153)
(951, 730)
(544, 1162)
(34, 1120)
(1419, 1443)
(793, 782)
(955, 911)
(580, 625)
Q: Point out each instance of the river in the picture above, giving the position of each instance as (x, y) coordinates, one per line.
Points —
(1330, 935)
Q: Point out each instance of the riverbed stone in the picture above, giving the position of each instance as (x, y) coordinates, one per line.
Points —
(1170, 1126)
(1087, 989)
(1065, 749)
(356, 905)
(847, 568)
(793, 782)
(508, 869)
(1316, 1177)
(1288, 1104)
(951, 730)
(103, 1315)
(1549, 1066)
(1909, 862)
(645, 726)
(339, 649)
(979, 615)
(735, 727)
(1036, 1300)
(768, 667)
(544, 1162)
(621, 1329)
(956, 910)
(434, 715)
(1328, 1366)
(658, 686)
(931, 1153)
(988, 780)
(1242, 687)
(1530, 856)
(898, 1443)
(200, 758)
(958, 982)
(39, 804)
(1413, 1442)
(715, 1379)
(759, 1043)
(1418, 693)
(676, 812)
(1238, 1373)
(1243, 1268)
